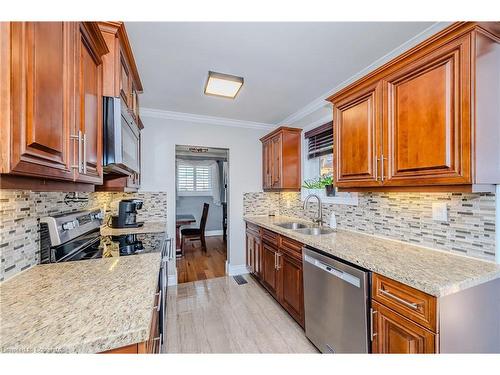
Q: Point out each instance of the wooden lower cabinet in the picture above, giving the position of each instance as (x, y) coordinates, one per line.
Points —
(396, 334)
(404, 319)
(270, 272)
(292, 287)
(276, 262)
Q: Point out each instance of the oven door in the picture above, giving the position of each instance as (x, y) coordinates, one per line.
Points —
(121, 139)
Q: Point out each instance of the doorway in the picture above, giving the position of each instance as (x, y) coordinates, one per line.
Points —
(201, 207)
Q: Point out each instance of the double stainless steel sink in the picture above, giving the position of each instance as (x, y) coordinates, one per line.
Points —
(302, 228)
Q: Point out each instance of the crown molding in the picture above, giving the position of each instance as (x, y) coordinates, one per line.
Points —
(318, 122)
(319, 102)
(211, 120)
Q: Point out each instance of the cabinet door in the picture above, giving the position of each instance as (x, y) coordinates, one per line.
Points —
(292, 289)
(276, 161)
(396, 334)
(266, 164)
(125, 81)
(89, 108)
(269, 271)
(40, 108)
(357, 138)
(250, 251)
(427, 123)
(258, 257)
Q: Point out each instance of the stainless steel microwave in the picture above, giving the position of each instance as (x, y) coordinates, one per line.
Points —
(121, 138)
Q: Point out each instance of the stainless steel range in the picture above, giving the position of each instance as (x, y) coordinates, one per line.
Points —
(76, 236)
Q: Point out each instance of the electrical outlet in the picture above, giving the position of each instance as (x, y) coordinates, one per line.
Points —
(440, 211)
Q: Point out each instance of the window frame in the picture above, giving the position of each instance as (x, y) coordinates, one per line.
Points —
(193, 193)
(311, 169)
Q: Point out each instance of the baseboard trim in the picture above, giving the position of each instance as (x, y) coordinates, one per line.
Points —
(239, 269)
(210, 233)
(172, 279)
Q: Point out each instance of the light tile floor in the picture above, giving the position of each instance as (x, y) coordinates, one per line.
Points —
(220, 316)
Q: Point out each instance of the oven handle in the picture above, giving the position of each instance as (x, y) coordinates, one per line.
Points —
(78, 249)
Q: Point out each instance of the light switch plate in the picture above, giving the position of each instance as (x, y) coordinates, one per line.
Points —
(440, 211)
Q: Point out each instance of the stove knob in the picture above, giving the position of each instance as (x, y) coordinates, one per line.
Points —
(76, 224)
(68, 226)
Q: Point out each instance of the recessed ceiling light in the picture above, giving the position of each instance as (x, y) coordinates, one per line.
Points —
(224, 85)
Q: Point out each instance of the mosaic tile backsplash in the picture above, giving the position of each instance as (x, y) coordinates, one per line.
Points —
(20, 212)
(407, 217)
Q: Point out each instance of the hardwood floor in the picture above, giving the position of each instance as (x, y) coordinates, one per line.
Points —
(198, 265)
(220, 316)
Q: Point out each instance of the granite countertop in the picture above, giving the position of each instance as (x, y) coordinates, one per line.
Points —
(148, 227)
(432, 271)
(87, 306)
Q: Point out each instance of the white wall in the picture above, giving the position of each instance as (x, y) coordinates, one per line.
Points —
(159, 138)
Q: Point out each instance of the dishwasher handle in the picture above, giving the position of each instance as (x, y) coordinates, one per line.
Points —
(347, 277)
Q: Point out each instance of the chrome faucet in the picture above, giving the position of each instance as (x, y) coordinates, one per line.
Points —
(319, 217)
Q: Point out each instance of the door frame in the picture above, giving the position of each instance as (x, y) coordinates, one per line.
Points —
(173, 278)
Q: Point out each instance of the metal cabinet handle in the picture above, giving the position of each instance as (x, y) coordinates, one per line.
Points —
(376, 169)
(382, 158)
(372, 334)
(278, 266)
(84, 153)
(411, 305)
(157, 341)
(78, 138)
(158, 307)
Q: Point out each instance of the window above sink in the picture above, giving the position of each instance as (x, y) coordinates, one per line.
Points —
(317, 161)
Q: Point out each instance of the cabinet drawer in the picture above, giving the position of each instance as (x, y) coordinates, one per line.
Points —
(411, 303)
(252, 228)
(270, 237)
(294, 248)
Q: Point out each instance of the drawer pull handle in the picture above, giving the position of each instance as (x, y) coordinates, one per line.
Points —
(411, 305)
(372, 333)
(158, 307)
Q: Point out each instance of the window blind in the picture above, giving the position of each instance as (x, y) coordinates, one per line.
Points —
(320, 140)
(194, 178)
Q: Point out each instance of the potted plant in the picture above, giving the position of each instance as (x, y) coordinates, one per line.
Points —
(319, 185)
(327, 182)
(313, 186)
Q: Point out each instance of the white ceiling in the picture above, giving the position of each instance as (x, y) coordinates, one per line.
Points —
(285, 65)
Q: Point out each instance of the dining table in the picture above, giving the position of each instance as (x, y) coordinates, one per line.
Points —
(180, 220)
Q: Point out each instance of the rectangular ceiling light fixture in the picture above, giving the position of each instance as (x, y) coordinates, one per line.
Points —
(224, 85)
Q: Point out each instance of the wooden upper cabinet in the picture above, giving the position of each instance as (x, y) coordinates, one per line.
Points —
(428, 119)
(425, 120)
(281, 160)
(125, 81)
(276, 161)
(267, 164)
(40, 100)
(121, 77)
(357, 119)
(90, 47)
(51, 102)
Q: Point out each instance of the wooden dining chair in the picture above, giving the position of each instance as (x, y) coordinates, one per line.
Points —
(194, 234)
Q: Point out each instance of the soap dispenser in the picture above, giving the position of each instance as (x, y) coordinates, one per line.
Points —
(333, 221)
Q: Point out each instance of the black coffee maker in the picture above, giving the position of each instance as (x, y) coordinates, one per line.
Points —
(127, 214)
(128, 244)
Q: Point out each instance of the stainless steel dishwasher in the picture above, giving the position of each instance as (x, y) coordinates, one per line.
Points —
(336, 302)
